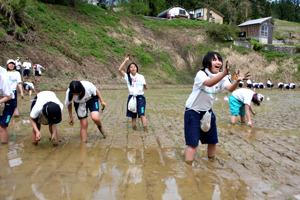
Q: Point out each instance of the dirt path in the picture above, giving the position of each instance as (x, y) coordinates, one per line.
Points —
(261, 162)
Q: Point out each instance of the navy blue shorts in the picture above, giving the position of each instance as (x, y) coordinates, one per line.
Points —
(270, 85)
(25, 88)
(249, 86)
(193, 132)
(141, 106)
(26, 72)
(280, 86)
(293, 87)
(261, 86)
(92, 105)
(36, 73)
(7, 113)
(287, 87)
(240, 84)
(256, 86)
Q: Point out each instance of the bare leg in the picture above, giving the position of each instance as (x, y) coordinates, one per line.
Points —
(33, 138)
(144, 120)
(30, 92)
(233, 118)
(54, 134)
(243, 119)
(190, 153)
(16, 112)
(83, 129)
(95, 117)
(4, 134)
(211, 150)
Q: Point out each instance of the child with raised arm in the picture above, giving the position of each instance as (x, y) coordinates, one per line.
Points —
(240, 104)
(207, 84)
(85, 96)
(136, 83)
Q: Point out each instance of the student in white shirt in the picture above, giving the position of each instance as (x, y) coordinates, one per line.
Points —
(241, 83)
(240, 104)
(6, 112)
(26, 72)
(136, 83)
(286, 86)
(270, 85)
(28, 86)
(261, 85)
(85, 95)
(45, 109)
(207, 84)
(249, 84)
(38, 71)
(280, 86)
(292, 86)
(18, 65)
(14, 79)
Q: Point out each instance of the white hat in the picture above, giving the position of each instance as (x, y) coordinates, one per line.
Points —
(260, 97)
(10, 61)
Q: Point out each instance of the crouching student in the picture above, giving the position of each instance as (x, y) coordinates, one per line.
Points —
(6, 105)
(241, 83)
(287, 86)
(207, 84)
(280, 86)
(292, 86)
(28, 86)
(240, 104)
(270, 84)
(249, 84)
(136, 83)
(85, 95)
(46, 109)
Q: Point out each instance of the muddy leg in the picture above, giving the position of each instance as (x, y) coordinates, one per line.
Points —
(144, 122)
(190, 153)
(95, 117)
(4, 134)
(233, 118)
(33, 138)
(83, 129)
(133, 123)
(16, 112)
(211, 150)
(243, 119)
(54, 134)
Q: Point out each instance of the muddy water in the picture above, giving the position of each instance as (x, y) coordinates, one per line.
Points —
(261, 162)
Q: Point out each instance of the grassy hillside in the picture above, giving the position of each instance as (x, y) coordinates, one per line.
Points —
(89, 43)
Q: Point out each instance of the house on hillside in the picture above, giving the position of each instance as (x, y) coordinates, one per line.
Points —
(93, 2)
(201, 14)
(175, 12)
(259, 29)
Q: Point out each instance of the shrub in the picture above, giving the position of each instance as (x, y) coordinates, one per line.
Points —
(145, 58)
(256, 45)
(222, 31)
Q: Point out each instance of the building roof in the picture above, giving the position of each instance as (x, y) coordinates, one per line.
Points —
(255, 21)
(211, 8)
(164, 14)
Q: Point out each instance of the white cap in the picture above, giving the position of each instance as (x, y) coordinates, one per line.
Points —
(10, 61)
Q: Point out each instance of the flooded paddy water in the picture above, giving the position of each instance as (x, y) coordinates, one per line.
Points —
(262, 162)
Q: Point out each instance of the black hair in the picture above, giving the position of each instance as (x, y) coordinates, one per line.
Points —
(14, 66)
(76, 87)
(255, 100)
(206, 63)
(128, 72)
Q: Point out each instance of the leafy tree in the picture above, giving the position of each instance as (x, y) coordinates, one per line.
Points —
(157, 6)
(254, 10)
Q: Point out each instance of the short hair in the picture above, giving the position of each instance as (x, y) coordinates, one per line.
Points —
(206, 63)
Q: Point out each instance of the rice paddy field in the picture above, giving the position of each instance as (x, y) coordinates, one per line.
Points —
(261, 162)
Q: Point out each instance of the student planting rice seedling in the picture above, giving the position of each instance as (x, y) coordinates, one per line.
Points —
(207, 84)
(136, 83)
(280, 86)
(46, 109)
(85, 96)
(240, 104)
(270, 85)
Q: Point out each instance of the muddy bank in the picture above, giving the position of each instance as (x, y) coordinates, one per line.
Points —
(261, 162)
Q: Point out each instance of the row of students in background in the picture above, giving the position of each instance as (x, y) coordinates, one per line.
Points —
(37, 69)
(282, 86)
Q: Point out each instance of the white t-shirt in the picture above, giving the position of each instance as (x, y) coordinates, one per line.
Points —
(38, 68)
(29, 84)
(5, 89)
(138, 82)
(14, 78)
(90, 90)
(241, 82)
(286, 85)
(42, 99)
(261, 83)
(280, 83)
(249, 81)
(202, 97)
(269, 82)
(18, 64)
(243, 95)
(26, 65)
(292, 84)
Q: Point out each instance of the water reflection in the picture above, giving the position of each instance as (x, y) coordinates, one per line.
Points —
(171, 190)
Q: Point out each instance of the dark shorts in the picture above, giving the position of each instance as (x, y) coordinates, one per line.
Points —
(249, 86)
(193, 132)
(261, 86)
(26, 72)
(92, 105)
(141, 107)
(287, 87)
(26, 88)
(7, 113)
(15, 100)
(293, 87)
(36, 73)
(256, 86)
(270, 85)
(280, 86)
(240, 84)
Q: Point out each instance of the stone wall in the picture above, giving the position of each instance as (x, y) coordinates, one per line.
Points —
(275, 48)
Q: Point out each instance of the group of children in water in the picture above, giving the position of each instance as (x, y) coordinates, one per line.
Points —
(47, 109)
(270, 85)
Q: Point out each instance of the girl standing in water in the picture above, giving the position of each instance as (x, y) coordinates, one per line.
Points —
(207, 84)
(136, 83)
(85, 95)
